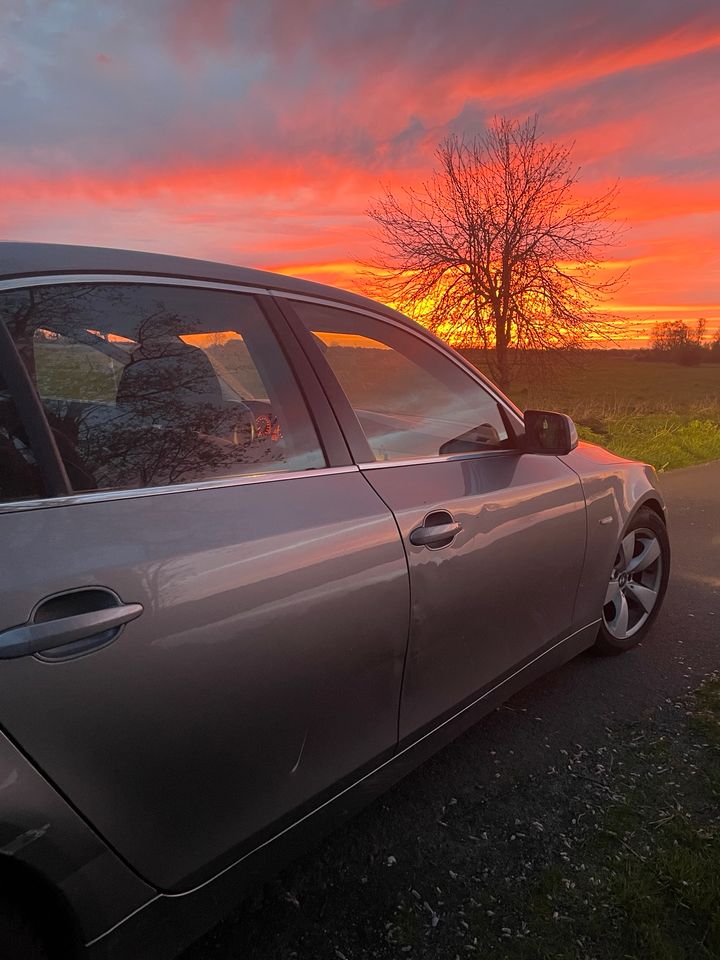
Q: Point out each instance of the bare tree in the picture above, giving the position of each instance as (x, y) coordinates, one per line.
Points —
(496, 250)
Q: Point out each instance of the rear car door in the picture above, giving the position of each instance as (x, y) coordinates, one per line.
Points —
(213, 601)
(494, 538)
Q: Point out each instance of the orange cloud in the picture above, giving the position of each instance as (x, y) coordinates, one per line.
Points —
(584, 65)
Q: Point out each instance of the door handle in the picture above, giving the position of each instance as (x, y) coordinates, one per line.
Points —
(437, 529)
(29, 638)
(422, 536)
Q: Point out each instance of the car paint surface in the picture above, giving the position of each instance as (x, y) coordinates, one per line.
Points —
(503, 590)
(296, 654)
(42, 831)
(614, 489)
(266, 665)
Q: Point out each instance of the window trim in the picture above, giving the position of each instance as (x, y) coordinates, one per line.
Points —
(135, 493)
(30, 409)
(347, 418)
(320, 411)
(32, 415)
(354, 434)
(53, 279)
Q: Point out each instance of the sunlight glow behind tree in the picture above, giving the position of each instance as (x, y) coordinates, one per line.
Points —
(497, 250)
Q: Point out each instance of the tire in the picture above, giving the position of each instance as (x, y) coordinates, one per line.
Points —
(18, 941)
(637, 584)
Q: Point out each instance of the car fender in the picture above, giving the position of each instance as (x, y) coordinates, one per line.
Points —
(42, 836)
(615, 489)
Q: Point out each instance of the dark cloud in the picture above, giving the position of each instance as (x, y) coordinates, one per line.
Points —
(108, 86)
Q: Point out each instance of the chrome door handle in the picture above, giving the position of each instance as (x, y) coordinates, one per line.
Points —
(426, 535)
(29, 638)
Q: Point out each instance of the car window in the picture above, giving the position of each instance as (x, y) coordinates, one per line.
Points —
(147, 385)
(412, 400)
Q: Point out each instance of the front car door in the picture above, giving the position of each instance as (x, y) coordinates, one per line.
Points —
(174, 465)
(495, 539)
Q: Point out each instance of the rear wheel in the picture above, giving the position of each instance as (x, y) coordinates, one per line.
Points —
(637, 584)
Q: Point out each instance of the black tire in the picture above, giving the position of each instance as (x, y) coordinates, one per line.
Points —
(18, 940)
(608, 644)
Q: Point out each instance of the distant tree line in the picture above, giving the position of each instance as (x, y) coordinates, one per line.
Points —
(678, 342)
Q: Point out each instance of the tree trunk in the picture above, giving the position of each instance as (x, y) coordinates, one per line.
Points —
(502, 360)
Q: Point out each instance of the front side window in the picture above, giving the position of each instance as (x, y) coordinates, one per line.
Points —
(411, 400)
(148, 385)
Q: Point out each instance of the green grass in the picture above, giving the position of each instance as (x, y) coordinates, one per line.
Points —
(645, 879)
(631, 870)
(664, 440)
(661, 413)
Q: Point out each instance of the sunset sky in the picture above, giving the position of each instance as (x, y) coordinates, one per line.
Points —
(257, 132)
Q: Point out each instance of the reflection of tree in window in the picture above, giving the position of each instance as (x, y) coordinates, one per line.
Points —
(170, 406)
(130, 389)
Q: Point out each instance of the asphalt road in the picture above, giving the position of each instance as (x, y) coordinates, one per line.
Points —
(338, 900)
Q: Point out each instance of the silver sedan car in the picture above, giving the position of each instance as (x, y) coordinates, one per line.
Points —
(265, 546)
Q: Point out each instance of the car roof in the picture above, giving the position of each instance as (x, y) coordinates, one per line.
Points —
(36, 259)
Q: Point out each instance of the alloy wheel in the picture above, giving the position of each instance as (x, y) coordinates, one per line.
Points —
(634, 584)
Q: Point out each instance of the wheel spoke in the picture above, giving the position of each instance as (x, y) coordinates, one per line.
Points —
(612, 591)
(644, 595)
(627, 549)
(650, 553)
(620, 621)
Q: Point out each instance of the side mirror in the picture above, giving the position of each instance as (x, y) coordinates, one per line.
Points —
(546, 432)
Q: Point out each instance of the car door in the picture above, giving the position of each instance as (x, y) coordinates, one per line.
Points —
(204, 605)
(494, 538)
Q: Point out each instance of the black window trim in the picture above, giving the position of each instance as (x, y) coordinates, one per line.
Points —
(58, 490)
(318, 406)
(350, 425)
(32, 415)
(347, 418)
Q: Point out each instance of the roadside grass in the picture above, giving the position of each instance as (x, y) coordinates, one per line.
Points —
(638, 876)
(664, 440)
(662, 413)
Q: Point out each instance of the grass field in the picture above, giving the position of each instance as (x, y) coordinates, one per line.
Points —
(662, 413)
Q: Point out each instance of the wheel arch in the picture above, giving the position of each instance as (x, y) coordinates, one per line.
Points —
(615, 490)
(42, 906)
(650, 500)
(652, 503)
(51, 860)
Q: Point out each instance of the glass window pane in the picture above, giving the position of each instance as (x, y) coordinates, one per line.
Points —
(150, 385)
(411, 399)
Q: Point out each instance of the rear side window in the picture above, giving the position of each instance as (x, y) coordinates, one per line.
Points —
(148, 385)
